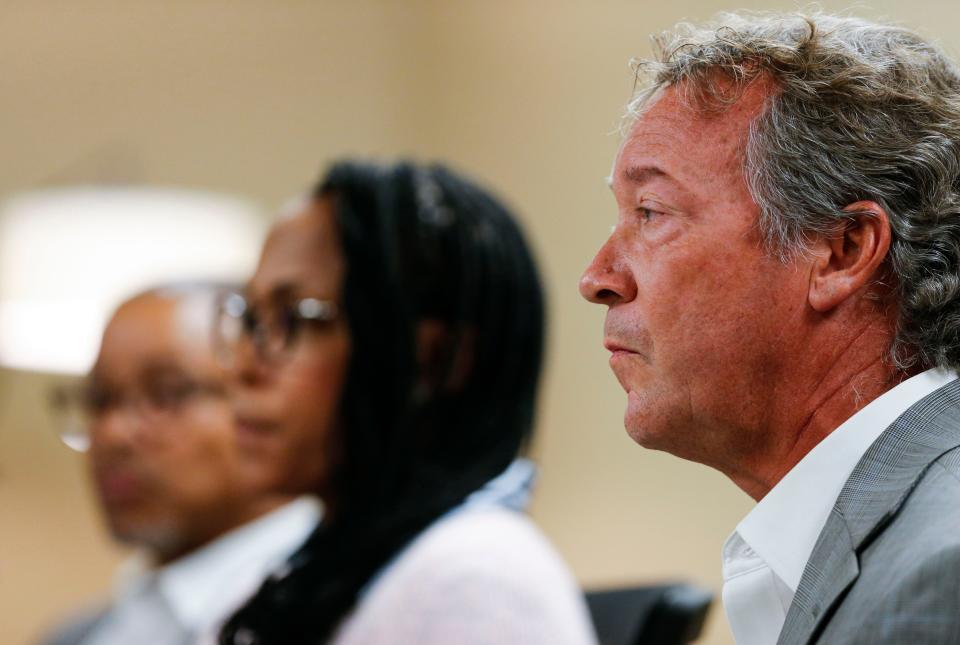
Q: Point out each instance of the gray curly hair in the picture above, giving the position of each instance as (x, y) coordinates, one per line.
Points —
(863, 111)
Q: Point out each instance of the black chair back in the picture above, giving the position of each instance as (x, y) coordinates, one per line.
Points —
(670, 614)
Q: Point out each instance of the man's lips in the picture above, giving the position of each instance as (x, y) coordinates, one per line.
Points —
(623, 357)
(120, 486)
(626, 338)
(623, 361)
(615, 348)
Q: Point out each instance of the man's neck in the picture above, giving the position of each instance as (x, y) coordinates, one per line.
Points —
(850, 380)
(249, 512)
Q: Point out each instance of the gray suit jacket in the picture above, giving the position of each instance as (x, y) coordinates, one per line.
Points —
(886, 567)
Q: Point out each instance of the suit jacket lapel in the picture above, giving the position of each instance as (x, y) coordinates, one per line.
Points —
(832, 568)
(871, 498)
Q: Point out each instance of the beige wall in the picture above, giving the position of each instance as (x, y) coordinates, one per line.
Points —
(253, 97)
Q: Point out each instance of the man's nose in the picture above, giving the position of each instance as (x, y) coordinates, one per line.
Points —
(117, 428)
(606, 280)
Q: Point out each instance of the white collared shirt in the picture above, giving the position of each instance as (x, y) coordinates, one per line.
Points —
(187, 600)
(764, 558)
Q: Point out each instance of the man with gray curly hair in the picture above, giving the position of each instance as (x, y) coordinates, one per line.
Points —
(783, 304)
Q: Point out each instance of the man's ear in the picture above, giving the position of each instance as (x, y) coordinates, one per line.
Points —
(847, 260)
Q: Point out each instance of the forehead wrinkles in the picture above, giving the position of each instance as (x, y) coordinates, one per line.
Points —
(694, 140)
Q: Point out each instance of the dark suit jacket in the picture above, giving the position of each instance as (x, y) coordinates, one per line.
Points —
(886, 567)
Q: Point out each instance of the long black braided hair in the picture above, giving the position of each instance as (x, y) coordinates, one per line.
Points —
(423, 427)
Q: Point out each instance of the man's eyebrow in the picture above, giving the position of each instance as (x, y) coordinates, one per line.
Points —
(161, 368)
(643, 174)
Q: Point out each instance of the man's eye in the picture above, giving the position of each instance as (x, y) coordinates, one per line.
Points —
(99, 401)
(647, 214)
(169, 394)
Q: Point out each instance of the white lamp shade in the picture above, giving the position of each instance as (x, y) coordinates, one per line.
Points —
(69, 256)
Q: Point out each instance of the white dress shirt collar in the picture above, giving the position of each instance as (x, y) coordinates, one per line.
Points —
(764, 559)
(510, 489)
(205, 587)
(784, 526)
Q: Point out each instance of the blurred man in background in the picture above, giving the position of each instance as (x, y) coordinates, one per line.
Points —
(170, 479)
(783, 304)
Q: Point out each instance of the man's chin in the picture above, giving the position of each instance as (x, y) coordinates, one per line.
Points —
(664, 441)
(654, 428)
(156, 538)
(645, 438)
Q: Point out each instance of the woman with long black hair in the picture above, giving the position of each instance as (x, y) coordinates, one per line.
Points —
(387, 353)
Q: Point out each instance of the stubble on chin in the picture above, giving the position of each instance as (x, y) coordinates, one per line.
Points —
(656, 419)
(157, 537)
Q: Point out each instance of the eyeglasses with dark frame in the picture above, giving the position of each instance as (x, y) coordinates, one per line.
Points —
(273, 331)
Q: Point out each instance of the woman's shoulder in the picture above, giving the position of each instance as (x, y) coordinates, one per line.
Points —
(472, 538)
(478, 568)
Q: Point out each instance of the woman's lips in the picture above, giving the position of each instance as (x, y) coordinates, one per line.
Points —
(253, 431)
(253, 424)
